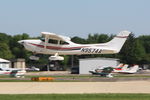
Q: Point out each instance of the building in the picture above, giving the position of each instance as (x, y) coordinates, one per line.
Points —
(18, 63)
(85, 65)
(4, 63)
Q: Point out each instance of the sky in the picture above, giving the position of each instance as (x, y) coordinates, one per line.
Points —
(74, 17)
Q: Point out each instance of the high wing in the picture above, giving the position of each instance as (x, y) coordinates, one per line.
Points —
(47, 36)
(61, 45)
(55, 36)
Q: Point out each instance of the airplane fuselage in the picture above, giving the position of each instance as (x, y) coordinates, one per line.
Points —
(61, 45)
(39, 46)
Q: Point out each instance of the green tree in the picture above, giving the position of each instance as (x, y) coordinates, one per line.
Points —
(126, 54)
(93, 38)
(5, 51)
(78, 40)
(145, 40)
(102, 38)
(25, 36)
(17, 49)
(65, 61)
(4, 38)
(133, 51)
(139, 51)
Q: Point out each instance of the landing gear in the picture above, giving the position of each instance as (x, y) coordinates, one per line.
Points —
(55, 65)
(55, 62)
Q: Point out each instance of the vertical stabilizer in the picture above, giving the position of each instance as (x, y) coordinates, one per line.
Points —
(117, 42)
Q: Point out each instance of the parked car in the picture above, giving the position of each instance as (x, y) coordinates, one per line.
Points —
(32, 69)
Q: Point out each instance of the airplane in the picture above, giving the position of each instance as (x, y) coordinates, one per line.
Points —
(120, 67)
(126, 69)
(55, 45)
(105, 71)
(13, 72)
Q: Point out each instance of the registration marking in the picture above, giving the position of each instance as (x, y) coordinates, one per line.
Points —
(91, 50)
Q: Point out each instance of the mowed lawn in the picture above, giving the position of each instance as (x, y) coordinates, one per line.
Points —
(75, 97)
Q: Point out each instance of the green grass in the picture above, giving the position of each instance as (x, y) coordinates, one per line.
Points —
(64, 76)
(136, 76)
(15, 80)
(70, 78)
(75, 97)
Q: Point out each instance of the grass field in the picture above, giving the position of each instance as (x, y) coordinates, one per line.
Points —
(69, 78)
(76, 97)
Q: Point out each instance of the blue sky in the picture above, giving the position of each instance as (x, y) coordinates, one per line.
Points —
(74, 17)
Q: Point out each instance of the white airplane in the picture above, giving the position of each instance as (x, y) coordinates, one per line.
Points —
(12, 72)
(125, 70)
(61, 45)
(120, 68)
(132, 69)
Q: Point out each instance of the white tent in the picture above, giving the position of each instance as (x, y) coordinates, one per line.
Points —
(4, 63)
(3, 60)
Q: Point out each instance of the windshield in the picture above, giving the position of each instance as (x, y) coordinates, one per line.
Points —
(42, 39)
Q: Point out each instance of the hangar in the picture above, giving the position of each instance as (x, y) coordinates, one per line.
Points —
(85, 65)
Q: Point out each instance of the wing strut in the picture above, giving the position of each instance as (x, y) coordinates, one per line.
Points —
(46, 41)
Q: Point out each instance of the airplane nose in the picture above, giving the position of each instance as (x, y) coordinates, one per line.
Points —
(21, 42)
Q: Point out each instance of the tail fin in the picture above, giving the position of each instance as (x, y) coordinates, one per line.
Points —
(117, 42)
(134, 69)
(125, 67)
(121, 68)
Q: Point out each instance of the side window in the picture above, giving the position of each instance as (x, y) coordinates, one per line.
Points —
(63, 43)
(52, 41)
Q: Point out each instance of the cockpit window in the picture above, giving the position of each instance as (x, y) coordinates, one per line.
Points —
(53, 41)
(50, 41)
(63, 43)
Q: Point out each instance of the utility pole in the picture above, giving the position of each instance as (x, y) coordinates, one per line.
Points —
(72, 59)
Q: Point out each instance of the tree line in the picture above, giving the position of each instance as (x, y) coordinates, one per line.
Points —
(136, 50)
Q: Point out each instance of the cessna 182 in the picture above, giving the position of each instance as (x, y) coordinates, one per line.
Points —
(62, 45)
